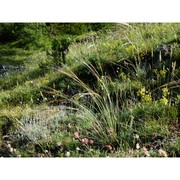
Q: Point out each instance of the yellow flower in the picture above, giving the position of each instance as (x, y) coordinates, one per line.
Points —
(144, 95)
(142, 91)
(130, 48)
(165, 92)
(163, 73)
(164, 101)
(148, 98)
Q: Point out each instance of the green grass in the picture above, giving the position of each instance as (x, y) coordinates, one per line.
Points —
(113, 101)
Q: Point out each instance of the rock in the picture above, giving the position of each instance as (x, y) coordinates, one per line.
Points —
(4, 69)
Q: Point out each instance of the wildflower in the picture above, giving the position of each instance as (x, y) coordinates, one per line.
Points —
(162, 153)
(142, 91)
(163, 73)
(165, 92)
(91, 142)
(67, 154)
(148, 98)
(85, 141)
(76, 135)
(164, 101)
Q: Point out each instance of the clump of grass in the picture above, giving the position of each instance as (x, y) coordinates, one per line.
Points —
(100, 113)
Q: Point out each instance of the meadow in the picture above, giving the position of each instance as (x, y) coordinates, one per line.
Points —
(89, 89)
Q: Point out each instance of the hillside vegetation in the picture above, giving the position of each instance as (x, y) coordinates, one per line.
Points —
(89, 90)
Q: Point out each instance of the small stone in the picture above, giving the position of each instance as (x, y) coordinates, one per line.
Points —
(11, 149)
(146, 152)
(162, 153)
(137, 146)
(131, 152)
(67, 154)
(78, 149)
(14, 150)
(9, 146)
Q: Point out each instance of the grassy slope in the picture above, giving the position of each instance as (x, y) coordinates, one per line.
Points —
(28, 89)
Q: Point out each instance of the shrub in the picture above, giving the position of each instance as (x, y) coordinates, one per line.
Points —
(60, 48)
